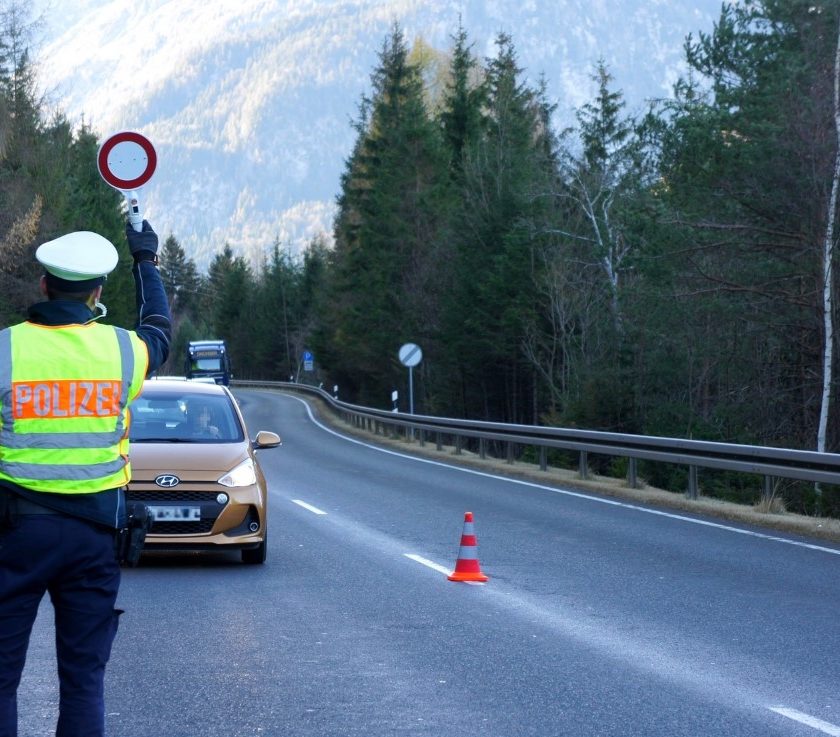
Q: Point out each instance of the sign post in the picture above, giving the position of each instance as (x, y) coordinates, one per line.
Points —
(410, 355)
(127, 161)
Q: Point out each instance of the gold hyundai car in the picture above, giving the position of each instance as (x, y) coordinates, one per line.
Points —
(195, 467)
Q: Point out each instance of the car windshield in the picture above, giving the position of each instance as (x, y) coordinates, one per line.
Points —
(184, 418)
(207, 364)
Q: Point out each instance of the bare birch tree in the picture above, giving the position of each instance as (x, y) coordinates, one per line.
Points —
(828, 271)
(597, 181)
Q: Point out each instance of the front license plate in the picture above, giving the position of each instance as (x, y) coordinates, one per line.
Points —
(175, 514)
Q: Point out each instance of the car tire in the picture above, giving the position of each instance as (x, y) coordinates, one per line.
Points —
(255, 556)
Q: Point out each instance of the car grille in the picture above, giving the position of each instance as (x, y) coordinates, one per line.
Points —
(182, 528)
(171, 495)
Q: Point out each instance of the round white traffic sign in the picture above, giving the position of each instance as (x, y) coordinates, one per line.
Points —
(126, 160)
(410, 354)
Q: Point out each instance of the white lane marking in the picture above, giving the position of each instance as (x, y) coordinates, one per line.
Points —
(579, 495)
(428, 563)
(435, 567)
(808, 720)
(312, 509)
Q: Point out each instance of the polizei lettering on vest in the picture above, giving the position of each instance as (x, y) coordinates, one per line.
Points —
(66, 398)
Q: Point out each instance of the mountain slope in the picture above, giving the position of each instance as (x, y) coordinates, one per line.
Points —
(249, 102)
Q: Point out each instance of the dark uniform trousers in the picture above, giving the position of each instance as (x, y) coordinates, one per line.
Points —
(75, 561)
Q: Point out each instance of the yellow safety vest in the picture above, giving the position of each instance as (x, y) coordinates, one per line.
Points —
(64, 393)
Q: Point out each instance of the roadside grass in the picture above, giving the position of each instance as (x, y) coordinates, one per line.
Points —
(768, 513)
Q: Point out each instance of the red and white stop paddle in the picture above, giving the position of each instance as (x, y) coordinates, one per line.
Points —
(127, 161)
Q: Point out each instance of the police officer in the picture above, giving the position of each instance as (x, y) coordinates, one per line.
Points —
(66, 381)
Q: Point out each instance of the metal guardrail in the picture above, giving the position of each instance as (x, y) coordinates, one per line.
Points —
(771, 463)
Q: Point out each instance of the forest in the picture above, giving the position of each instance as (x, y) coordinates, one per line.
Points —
(671, 272)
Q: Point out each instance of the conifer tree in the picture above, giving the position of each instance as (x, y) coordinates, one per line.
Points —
(382, 286)
(21, 205)
(277, 303)
(179, 275)
(461, 115)
(229, 301)
(18, 80)
(491, 301)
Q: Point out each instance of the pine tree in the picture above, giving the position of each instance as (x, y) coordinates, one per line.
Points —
(229, 301)
(492, 297)
(277, 299)
(18, 81)
(180, 277)
(21, 205)
(382, 272)
(461, 115)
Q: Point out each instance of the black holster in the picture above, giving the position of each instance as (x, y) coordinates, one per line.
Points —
(130, 538)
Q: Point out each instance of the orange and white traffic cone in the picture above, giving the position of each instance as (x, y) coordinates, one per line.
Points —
(467, 567)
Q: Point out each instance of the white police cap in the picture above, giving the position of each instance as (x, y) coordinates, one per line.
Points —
(78, 256)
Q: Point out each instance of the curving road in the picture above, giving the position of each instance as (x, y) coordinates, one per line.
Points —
(600, 617)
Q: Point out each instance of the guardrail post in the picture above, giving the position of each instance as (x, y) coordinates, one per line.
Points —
(692, 483)
(543, 459)
(583, 465)
(632, 480)
(458, 444)
(439, 441)
(482, 448)
(767, 491)
(510, 453)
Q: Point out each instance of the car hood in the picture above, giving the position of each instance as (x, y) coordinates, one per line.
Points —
(174, 457)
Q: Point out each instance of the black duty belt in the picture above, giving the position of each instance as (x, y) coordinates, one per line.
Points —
(25, 506)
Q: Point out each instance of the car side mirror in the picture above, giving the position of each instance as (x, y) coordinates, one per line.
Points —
(267, 439)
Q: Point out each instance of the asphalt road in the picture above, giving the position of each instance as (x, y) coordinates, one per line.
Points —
(599, 618)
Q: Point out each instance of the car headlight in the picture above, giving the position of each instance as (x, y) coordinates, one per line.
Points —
(242, 475)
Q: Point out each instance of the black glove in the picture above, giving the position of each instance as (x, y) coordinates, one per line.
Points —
(143, 245)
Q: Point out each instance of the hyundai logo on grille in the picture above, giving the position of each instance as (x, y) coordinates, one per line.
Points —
(167, 480)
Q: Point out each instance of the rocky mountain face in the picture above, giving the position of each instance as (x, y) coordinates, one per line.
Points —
(249, 102)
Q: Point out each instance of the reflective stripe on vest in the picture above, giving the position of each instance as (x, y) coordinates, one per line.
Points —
(72, 461)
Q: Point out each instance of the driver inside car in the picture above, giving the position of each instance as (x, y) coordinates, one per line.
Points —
(201, 421)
